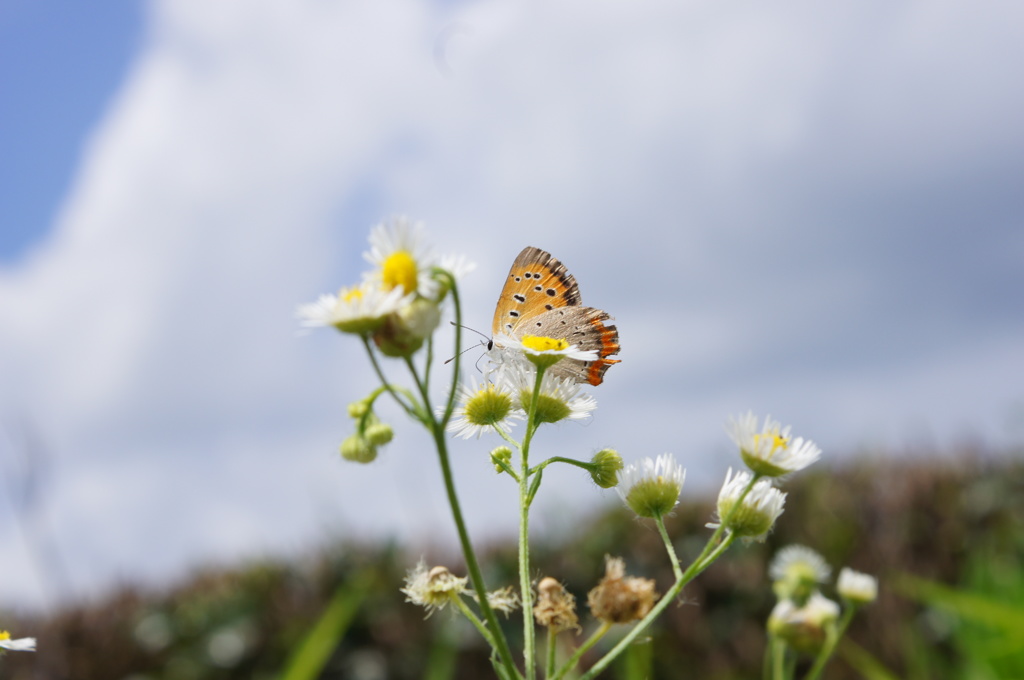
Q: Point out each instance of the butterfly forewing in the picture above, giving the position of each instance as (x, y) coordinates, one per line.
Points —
(536, 283)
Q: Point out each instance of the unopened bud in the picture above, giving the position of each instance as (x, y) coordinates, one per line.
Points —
(379, 434)
(607, 463)
(358, 450)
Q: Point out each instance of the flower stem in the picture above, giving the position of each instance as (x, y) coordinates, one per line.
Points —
(472, 565)
(526, 589)
(830, 644)
(582, 649)
(676, 568)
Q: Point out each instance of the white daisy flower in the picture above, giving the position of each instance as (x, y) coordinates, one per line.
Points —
(360, 309)
(856, 587)
(559, 398)
(401, 258)
(800, 560)
(483, 407)
(19, 645)
(805, 626)
(538, 350)
(770, 451)
(651, 487)
(755, 516)
(796, 572)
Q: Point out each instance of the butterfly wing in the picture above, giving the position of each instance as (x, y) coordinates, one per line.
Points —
(537, 283)
(540, 297)
(581, 326)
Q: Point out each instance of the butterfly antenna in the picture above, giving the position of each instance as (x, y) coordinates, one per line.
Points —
(480, 344)
(488, 339)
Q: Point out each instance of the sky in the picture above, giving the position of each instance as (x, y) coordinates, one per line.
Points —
(808, 211)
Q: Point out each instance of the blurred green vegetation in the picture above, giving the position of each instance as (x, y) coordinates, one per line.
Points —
(946, 539)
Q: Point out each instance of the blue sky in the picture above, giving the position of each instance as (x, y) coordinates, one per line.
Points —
(60, 64)
(808, 211)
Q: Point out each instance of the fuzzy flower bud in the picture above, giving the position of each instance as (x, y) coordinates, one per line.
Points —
(358, 450)
(857, 588)
(556, 607)
(619, 598)
(607, 463)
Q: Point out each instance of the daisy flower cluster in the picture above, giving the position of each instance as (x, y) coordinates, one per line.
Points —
(505, 396)
(805, 621)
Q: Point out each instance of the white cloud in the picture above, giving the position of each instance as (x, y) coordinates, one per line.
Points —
(764, 197)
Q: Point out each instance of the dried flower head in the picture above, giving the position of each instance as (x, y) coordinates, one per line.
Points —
(433, 588)
(556, 607)
(619, 598)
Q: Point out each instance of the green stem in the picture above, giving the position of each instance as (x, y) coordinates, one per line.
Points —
(473, 566)
(777, 658)
(526, 590)
(583, 649)
(831, 639)
(549, 669)
(413, 410)
(676, 568)
(589, 467)
(475, 620)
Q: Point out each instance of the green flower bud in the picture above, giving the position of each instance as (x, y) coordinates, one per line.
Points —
(379, 434)
(358, 409)
(358, 450)
(502, 454)
(607, 463)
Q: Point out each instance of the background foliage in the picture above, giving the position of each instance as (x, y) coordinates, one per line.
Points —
(944, 538)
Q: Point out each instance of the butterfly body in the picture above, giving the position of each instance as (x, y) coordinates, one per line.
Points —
(541, 298)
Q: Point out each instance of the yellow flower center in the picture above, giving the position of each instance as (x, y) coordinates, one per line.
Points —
(4, 635)
(400, 270)
(352, 295)
(778, 442)
(539, 343)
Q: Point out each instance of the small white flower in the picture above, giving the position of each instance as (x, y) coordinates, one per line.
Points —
(804, 626)
(19, 645)
(755, 516)
(651, 487)
(483, 407)
(360, 309)
(432, 589)
(770, 451)
(799, 560)
(559, 398)
(537, 350)
(856, 587)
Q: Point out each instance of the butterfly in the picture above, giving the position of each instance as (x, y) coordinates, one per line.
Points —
(541, 298)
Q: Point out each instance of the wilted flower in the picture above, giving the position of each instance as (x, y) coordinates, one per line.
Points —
(556, 607)
(619, 598)
(433, 588)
